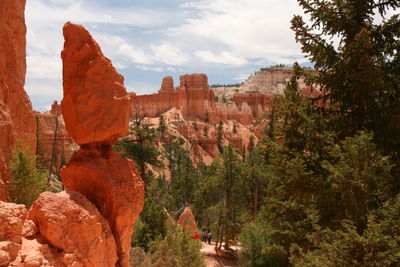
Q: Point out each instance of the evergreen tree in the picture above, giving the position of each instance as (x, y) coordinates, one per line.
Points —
(140, 146)
(220, 133)
(359, 75)
(162, 127)
(28, 181)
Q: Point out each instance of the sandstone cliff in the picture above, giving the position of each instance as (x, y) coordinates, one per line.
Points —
(17, 120)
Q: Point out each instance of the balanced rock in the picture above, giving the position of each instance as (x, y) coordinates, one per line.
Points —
(187, 221)
(95, 105)
(113, 184)
(69, 222)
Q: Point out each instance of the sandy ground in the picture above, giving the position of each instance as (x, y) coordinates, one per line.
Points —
(222, 259)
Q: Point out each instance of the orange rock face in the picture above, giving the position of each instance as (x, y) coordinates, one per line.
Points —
(113, 184)
(53, 137)
(187, 221)
(193, 97)
(96, 112)
(15, 106)
(95, 105)
(69, 222)
(167, 85)
(12, 217)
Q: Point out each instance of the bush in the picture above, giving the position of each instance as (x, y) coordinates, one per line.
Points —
(255, 248)
(177, 249)
(150, 225)
(28, 180)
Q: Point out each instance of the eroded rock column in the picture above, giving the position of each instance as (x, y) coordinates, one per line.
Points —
(96, 109)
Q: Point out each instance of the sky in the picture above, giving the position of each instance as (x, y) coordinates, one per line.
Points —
(146, 40)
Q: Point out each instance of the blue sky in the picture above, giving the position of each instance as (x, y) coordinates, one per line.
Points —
(147, 40)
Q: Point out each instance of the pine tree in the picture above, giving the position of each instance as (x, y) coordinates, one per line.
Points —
(359, 74)
(220, 133)
(28, 181)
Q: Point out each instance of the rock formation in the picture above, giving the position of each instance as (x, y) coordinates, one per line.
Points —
(17, 120)
(73, 224)
(91, 224)
(187, 221)
(95, 104)
(55, 145)
(96, 112)
(196, 100)
(12, 217)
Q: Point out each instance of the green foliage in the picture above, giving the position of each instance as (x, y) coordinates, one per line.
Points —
(176, 249)
(359, 75)
(220, 133)
(254, 239)
(140, 146)
(162, 127)
(181, 247)
(184, 175)
(150, 225)
(28, 180)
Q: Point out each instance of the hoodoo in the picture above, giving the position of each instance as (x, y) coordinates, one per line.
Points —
(96, 111)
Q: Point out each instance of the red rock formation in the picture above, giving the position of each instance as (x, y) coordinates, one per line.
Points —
(69, 222)
(113, 185)
(167, 85)
(12, 217)
(193, 97)
(55, 144)
(187, 221)
(259, 103)
(96, 111)
(95, 104)
(17, 120)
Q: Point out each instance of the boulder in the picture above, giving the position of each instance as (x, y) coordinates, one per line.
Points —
(187, 221)
(12, 217)
(71, 223)
(95, 104)
(113, 184)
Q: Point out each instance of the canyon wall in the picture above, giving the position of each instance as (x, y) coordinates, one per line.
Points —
(195, 99)
(17, 119)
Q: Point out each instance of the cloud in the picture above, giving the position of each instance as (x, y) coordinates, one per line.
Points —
(81, 12)
(222, 58)
(260, 29)
(169, 54)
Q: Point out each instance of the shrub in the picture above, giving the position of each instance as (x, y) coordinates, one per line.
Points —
(28, 180)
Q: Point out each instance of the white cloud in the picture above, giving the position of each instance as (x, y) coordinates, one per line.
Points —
(222, 58)
(169, 54)
(241, 77)
(248, 29)
(157, 69)
(43, 67)
(78, 12)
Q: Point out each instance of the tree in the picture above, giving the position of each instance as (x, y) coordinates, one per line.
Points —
(150, 225)
(220, 133)
(28, 181)
(162, 126)
(140, 146)
(228, 171)
(359, 75)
